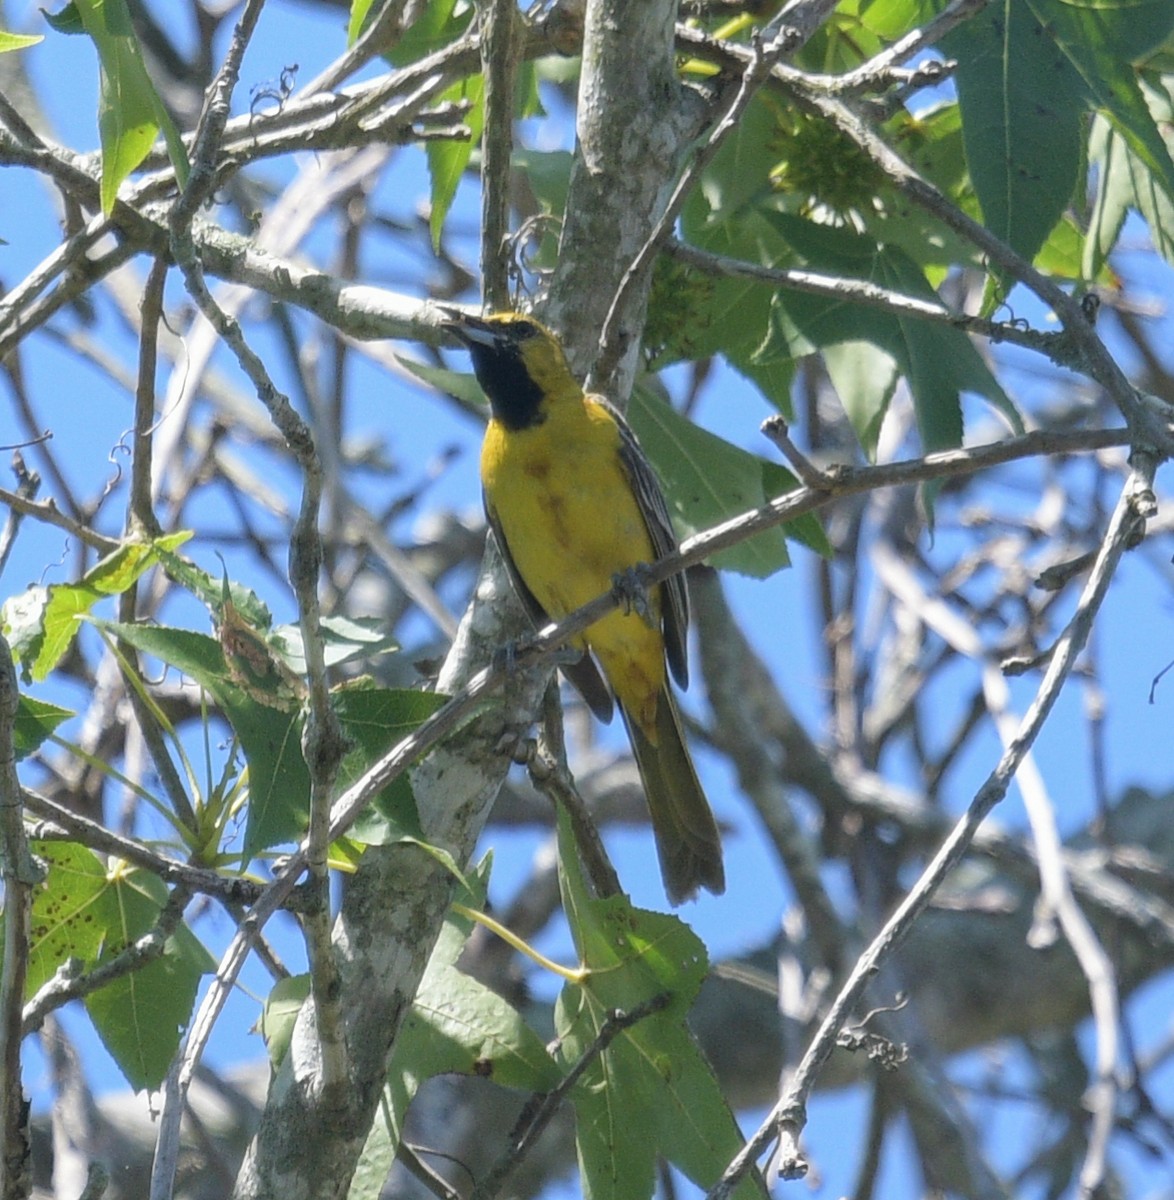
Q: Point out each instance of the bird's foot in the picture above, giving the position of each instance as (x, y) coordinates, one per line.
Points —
(512, 657)
(505, 658)
(517, 747)
(630, 588)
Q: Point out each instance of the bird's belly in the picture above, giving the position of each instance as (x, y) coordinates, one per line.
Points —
(571, 526)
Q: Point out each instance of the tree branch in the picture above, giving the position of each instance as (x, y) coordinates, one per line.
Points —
(788, 1117)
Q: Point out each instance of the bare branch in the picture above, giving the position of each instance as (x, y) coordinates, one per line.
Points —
(787, 1119)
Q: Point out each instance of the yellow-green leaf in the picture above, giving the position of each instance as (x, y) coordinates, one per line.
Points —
(130, 112)
(17, 41)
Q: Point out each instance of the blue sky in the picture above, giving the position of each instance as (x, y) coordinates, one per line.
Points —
(90, 414)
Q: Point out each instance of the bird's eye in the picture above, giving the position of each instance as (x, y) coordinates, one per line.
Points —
(525, 329)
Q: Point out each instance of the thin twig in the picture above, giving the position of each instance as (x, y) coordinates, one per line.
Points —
(882, 69)
(550, 774)
(812, 476)
(873, 295)
(376, 38)
(27, 485)
(789, 1116)
(47, 512)
(522, 1141)
(1057, 903)
(213, 120)
(406, 1156)
(141, 522)
(547, 644)
(59, 822)
(141, 519)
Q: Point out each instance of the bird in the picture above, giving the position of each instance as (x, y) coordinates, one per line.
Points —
(575, 507)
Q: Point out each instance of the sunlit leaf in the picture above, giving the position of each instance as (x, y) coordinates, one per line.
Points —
(141, 1015)
(44, 620)
(130, 111)
(35, 721)
(17, 41)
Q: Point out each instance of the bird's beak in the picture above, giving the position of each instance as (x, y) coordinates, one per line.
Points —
(472, 330)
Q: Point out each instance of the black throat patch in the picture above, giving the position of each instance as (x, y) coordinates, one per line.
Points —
(515, 398)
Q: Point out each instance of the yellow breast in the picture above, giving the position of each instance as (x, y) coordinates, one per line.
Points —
(562, 498)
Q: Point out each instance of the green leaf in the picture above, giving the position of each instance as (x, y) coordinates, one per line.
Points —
(68, 20)
(360, 9)
(732, 316)
(650, 1093)
(1103, 39)
(706, 480)
(18, 41)
(1124, 182)
(130, 111)
(939, 362)
(889, 19)
(1116, 192)
(932, 143)
(279, 782)
(140, 1016)
(529, 99)
(211, 590)
(1022, 104)
(378, 1154)
(840, 43)
(1062, 255)
(439, 23)
(279, 1014)
(44, 621)
(458, 1024)
(35, 721)
(778, 481)
(85, 912)
(376, 719)
(70, 915)
(740, 172)
(1028, 72)
(460, 384)
(864, 377)
(721, 216)
(448, 157)
(548, 174)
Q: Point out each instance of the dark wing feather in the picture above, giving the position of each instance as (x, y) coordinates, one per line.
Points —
(650, 498)
(583, 673)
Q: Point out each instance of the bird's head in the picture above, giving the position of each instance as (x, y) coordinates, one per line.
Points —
(518, 362)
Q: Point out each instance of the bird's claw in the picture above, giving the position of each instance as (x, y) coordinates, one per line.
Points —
(506, 658)
(630, 588)
(516, 747)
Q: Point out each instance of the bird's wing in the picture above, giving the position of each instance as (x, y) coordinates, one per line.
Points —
(650, 498)
(583, 673)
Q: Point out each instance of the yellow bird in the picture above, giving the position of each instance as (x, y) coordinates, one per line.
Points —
(574, 502)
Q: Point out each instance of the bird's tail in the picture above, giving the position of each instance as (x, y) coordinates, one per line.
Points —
(687, 839)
